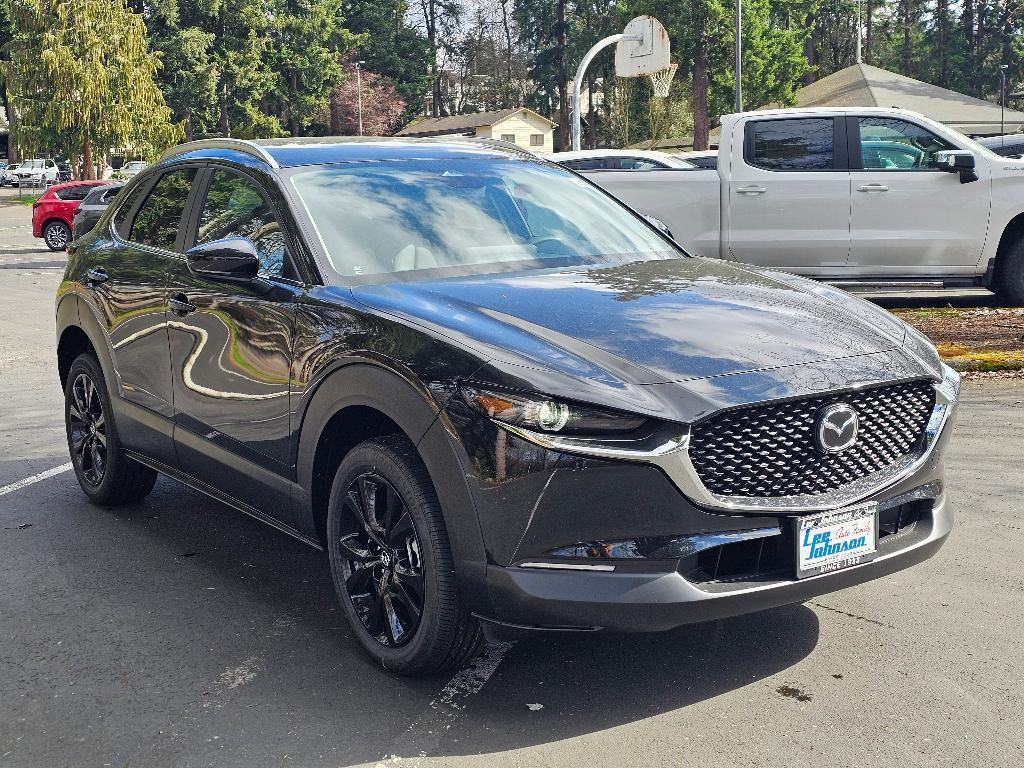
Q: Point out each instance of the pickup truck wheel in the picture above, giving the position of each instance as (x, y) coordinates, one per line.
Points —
(1009, 277)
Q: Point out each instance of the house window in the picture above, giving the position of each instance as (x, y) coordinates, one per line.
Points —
(536, 139)
(509, 137)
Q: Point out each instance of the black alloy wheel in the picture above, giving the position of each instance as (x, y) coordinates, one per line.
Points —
(381, 560)
(88, 429)
(104, 472)
(56, 235)
(392, 564)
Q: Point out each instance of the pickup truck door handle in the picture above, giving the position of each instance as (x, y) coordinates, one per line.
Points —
(97, 275)
(873, 188)
(180, 305)
(751, 190)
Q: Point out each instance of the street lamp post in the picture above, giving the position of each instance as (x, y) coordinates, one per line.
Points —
(1002, 101)
(359, 88)
(739, 56)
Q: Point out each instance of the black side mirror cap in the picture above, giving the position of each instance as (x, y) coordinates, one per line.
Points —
(956, 161)
(232, 258)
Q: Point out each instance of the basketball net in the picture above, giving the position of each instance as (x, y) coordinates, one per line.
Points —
(661, 81)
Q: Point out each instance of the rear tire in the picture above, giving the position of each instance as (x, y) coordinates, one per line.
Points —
(1009, 277)
(107, 476)
(56, 235)
(379, 557)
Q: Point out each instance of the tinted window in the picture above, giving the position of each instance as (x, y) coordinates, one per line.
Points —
(124, 210)
(633, 164)
(711, 161)
(889, 144)
(588, 164)
(159, 218)
(77, 192)
(467, 216)
(1009, 149)
(793, 145)
(234, 207)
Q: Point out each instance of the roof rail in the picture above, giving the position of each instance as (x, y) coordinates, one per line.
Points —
(240, 145)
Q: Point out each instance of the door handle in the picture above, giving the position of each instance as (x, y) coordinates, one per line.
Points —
(873, 188)
(751, 190)
(97, 275)
(180, 305)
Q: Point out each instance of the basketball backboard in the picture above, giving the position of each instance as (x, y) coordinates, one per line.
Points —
(644, 48)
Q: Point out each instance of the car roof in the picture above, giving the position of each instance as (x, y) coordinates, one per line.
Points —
(586, 153)
(290, 152)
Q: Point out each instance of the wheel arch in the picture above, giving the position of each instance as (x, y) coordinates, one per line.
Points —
(78, 331)
(1012, 233)
(363, 400)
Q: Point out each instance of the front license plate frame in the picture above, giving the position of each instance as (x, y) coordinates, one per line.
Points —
(816, 534)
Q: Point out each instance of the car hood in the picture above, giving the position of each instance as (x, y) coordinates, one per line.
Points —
(643, 322)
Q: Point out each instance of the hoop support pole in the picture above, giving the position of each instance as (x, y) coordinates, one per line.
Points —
(581, 70)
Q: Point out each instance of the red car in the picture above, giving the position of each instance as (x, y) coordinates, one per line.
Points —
(53, 211)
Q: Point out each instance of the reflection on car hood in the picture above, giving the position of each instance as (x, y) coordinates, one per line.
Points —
(646, 322)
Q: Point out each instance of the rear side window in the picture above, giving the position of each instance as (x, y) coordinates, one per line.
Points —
(77, 192)
(588, 164)
(159, 218)
(805, 144)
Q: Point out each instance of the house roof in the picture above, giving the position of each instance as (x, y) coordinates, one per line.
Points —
(436, 126)
(863, 85)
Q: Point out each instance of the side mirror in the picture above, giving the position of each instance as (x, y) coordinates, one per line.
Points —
(659, 225)
(233, 258)
(956, 161)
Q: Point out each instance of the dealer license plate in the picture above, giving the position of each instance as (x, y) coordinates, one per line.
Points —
(830, 541)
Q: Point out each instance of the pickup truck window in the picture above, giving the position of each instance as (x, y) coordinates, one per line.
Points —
(890, 144)
(803, 144)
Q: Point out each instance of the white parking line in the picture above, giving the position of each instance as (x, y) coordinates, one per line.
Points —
(5, 489)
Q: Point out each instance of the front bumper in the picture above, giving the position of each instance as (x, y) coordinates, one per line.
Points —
(638, 601)
(632, 566)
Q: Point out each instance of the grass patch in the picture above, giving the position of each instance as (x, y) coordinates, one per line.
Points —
(27, 199)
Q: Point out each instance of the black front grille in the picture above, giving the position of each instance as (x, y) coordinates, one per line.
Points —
(770, 450)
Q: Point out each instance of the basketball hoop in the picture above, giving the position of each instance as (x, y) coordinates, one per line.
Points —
(642, 49)
(661, 81)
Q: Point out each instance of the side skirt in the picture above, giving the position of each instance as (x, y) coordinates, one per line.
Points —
(221, 496)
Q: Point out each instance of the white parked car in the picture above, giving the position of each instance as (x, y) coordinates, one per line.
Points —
(617, 160)
(36, 171)
(7, 177)
(861, 197)
(129, 169)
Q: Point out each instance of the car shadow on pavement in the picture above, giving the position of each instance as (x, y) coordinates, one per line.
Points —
(274, 603)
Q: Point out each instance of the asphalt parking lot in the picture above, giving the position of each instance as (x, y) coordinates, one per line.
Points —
(178, 632)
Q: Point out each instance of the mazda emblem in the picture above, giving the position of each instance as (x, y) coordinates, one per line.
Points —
(836, 428)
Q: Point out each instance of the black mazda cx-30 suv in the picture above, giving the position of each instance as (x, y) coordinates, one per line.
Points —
(492, 393)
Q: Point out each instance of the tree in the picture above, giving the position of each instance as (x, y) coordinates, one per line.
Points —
(80, 77)
(391, 46)
(383, 107)
(307, 36)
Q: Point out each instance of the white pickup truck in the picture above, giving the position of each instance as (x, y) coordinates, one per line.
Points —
(859, 197)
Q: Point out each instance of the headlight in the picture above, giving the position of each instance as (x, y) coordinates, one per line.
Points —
(547, 415)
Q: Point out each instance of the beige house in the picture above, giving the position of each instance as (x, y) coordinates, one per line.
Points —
(520, 126)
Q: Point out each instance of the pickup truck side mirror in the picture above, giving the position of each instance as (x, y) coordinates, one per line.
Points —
(956, 161)
(659, 225)
(233, 259)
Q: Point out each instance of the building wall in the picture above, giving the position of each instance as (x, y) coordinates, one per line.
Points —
(522, 126)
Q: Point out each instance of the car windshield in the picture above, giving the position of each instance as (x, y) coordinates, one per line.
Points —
(400, 219)
(33, 164)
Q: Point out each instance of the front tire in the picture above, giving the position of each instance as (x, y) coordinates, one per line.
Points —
(107, 476)
(56, 235)
(392, 563)
(1009, 277)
